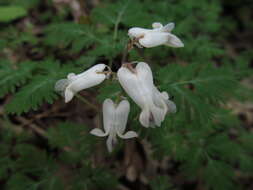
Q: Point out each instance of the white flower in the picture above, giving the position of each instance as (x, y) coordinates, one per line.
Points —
(115, 120)
(75, 83)
(159, 35)
(138, 83)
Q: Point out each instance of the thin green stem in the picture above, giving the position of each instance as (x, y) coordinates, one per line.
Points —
(81, 98)
(116, 28)
(118, 20)
(183, 82)
(125, 53)
(199, 80)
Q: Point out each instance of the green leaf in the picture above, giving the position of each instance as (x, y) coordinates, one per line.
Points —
(160, 183)
(32, 160)
(110, 89)
(10, 78)
(31, 96)
(64, 34)
(219, 175)
(21, 182)
(198, 89)
(39, 90)
(94, 178)
(72, 138)
(51, 182)
(25, 3)
(9, 13)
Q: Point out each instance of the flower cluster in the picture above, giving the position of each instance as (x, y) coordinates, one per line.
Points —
(136, 81)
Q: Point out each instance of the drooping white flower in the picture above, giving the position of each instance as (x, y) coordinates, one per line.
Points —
(159, 35)
(75, 83)
(138, 84)
(115, 120)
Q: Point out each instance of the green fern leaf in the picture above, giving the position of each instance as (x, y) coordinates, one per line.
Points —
(160, 183)
(11, 78)
(73, 138)
(39, 90)
(64, 34)
(33, 95)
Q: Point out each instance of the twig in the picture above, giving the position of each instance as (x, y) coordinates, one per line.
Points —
(39, 131)
(42, 115)
(33, 127)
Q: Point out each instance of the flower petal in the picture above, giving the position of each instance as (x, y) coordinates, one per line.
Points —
(145, 117)
(98, 132)
(168, 27)
(75, 83)
(174, 41)
(69, 94)
(129, 82)
(137, 32)
(61, 85)
(88, 78)
(137, 85)
(145, 79)
(157, 25)
(110, 142)
(152, 39)
(165, 95)
(152, 115)
(128, 135)
(145, 74)
(160, 99)
(71, 76)
(140, 88)
(108, 115)
(92, 70)
(121, 116)
(172, 108)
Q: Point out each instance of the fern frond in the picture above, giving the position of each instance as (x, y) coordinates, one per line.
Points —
(33, 95)
(219, 175)
(40, 89)
(11, 77)
(198, 89)
(160, 183)
(65, 34)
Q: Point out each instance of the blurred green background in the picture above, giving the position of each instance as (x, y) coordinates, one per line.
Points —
(45, 143)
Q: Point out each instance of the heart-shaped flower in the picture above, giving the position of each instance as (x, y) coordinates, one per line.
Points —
(159, 35)
(138, 84)
(115, 120)
(75, 83)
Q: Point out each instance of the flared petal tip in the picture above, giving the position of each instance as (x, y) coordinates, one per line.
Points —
(69, 94)
(97, 132)
(174, 41)
(157, 25)
(61, 85)
(110, 143)
(144, 118)
(172, 108)
(180, 44)
(128, 135)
